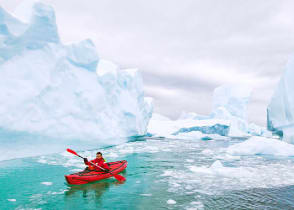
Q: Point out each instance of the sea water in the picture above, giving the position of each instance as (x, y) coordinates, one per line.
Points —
(161, 174)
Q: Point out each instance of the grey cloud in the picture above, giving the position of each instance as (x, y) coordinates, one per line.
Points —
(177, 81)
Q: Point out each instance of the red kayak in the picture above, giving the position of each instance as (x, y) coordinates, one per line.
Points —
(87, 176)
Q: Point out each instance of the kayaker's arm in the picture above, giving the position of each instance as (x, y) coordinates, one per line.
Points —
(86, 161)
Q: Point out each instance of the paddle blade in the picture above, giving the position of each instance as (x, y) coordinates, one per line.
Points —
(72, 152)
(119, 178)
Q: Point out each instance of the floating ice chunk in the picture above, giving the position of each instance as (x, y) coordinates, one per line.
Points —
(217, 164)
(47, 183)
(171, 202)
(217, 169)
(262, 146)
(196, 205)
(146, 194)
(207, 152)
(167, 173)
(58, 193)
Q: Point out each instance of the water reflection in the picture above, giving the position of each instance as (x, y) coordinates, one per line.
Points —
(91, 194)
(96, 188)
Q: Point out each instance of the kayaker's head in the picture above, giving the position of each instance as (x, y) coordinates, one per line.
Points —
(98, 155)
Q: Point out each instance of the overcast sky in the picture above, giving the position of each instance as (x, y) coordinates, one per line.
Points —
(184, 49)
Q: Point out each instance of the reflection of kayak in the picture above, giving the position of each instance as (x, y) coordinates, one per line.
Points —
(86, 176)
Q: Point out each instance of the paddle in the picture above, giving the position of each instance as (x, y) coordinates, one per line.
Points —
(117, 176)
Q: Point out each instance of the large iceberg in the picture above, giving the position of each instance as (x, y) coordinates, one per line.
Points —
(280, 111)
(64, 91)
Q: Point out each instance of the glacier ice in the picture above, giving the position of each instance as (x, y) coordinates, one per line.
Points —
(64, 91)
(280, 111)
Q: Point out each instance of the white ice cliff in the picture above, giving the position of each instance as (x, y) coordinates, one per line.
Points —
(64, 91)
(280, 111)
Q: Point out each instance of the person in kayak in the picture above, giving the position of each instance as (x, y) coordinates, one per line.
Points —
(99, 160)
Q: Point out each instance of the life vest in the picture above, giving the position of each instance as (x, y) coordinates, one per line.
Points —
(100, 162)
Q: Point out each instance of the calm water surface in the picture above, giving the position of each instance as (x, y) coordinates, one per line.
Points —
(161, 174)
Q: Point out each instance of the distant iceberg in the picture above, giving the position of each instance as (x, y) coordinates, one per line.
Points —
(64, 91)
(162, 126)
(230, 103)
(228, 118)
(280, 111)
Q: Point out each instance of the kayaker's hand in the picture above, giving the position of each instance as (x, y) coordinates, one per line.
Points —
(86, 160)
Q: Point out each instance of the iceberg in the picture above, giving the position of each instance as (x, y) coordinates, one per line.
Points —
(228, 118)
(280, 111)
(162, 126)
(257, 145)
(230, 103)
(64, 91)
